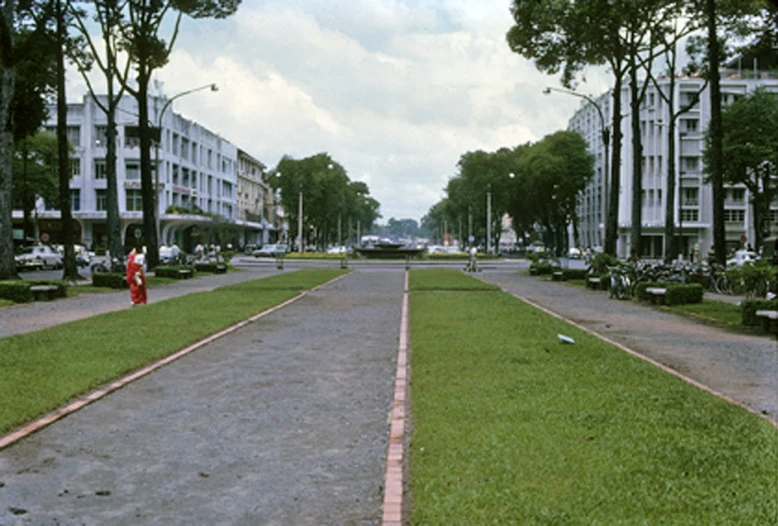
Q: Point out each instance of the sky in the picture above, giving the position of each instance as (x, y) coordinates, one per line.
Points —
(396, 91)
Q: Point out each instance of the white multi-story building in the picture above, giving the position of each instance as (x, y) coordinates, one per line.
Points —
(197, 181)
(256, 203)
(692, 199)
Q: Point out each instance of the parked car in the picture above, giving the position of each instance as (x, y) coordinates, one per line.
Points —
(38, 256)
(270, 251)
(741, 257)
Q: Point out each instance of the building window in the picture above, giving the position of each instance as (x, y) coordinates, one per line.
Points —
(176, 139)
(134, 200)
(131, 141)
(132, 170)
(774, 217)
(690, 196)
(690, 216)
(75, 200)
(737, 195)
(184, 148)
(100, 168)
(101, 136)
(690, 164)
(75, 167)
(74, 136)
(101, 200)
(734, 215)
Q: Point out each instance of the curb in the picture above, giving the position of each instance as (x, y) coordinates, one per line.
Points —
(393, 480)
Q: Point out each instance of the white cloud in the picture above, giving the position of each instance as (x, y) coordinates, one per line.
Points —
(396, 91)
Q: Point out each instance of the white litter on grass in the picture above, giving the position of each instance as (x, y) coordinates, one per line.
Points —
(565, 339)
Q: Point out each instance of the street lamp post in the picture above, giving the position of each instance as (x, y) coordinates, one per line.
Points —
(605, 136)
(212, 87)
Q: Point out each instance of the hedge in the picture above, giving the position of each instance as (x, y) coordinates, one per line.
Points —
(751, 306)
(683, 293)
(575, 273)
(540, 268)
(640, 289)
(113, 280)
(17, 291)
(172, 271)
(210, 267)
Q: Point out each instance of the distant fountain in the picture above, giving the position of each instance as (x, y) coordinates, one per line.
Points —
(385, 249)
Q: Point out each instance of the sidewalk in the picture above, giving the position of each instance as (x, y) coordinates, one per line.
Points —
(742, 367)
(281, 422)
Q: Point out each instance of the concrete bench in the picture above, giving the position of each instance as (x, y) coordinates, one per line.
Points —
(769, 320)
(43, 292)
(220, 269)
(657, 294)
(558, 276)
(184, 273)
(593, 283)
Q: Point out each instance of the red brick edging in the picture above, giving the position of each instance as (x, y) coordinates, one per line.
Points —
(393, 481)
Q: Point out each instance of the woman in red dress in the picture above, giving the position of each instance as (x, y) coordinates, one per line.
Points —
(136, 279)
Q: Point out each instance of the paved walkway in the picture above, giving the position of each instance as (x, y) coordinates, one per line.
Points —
(742, 367)
(281, 422)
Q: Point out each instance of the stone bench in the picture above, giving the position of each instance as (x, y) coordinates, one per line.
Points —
(657, 294)
(184, 273)
(43, 292)
(769, 320)
(558, 276)
(593, 283)
(220, 269)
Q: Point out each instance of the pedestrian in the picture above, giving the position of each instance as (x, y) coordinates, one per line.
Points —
(471, 261)
(136, 278)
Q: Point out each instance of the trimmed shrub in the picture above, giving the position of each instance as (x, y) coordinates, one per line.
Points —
(683, 293)
(640, 289)
(113, 280)
(601, 262)
(540, 268)
(749, 308)
(15, 290)
(172, 271)
(216, 268)
(62, 286)
(576, 273)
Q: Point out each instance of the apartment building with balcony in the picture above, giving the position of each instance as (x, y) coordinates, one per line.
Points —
(692, 198)
(197, 175)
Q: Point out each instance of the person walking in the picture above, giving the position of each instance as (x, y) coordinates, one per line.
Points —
(136, 278)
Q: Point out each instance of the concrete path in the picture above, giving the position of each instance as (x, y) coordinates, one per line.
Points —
(742, 367)
(284, 421)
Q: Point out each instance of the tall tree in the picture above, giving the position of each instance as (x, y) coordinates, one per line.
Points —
(109, 15)
(750, 157)
(7, 77)
(148, 52)
(35, 175)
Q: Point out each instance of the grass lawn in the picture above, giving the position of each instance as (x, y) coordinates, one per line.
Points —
(511, 426)
(712, 312)
(42, 370)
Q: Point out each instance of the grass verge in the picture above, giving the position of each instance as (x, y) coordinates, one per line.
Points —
(42, 370)
(513, 427)
(711, 312)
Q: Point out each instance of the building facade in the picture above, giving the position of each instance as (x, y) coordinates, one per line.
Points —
(200, 180)
(692, 198)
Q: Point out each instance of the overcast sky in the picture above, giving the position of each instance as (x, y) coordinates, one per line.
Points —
(394, 90)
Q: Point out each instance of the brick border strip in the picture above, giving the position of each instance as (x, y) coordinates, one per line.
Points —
(645, 358)
(393, 480)
(61, 412)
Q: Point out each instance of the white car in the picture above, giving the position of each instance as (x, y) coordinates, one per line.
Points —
(741, 257)
(38, 256)
(270, 251)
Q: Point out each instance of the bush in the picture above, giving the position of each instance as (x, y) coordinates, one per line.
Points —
(682, 294)
(210, 267)
(601, 262)
(172, 271)
(640, 289)
(113, 280)
(15, 290)
(576, 273)
(751, 306)
(540, 268)
(62, 286)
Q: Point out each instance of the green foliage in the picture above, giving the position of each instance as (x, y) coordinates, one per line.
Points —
(62, 286)
(575, 273)
(601, 262)
(211, 267)
(751, 275)
(542, 267)
(16, 291)
(173, 271)
(113, 280)
(749, 308)
(640, 289)
(682, 293)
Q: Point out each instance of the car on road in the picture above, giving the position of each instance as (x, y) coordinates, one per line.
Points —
(38, 257)
(271, 251)
(741, 257)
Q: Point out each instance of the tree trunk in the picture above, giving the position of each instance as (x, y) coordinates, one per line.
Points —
(671, 247)
(146, 181)
(716, 170)
(70, 271)
(612, 228)
(113, 219)
(7, 263)
(637, 160)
